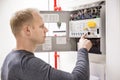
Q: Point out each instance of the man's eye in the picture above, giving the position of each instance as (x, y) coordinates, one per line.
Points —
(42, 26)
(39, 26)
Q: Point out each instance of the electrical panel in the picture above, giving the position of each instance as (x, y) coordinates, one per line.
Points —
(91, 27)
(89, 21)
(66, 27)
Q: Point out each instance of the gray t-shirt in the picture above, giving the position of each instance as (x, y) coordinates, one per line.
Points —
(23, 65)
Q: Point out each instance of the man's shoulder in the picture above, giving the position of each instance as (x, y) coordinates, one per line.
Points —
(17, 57)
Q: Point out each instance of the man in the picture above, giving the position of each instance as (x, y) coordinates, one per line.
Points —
(21, 64)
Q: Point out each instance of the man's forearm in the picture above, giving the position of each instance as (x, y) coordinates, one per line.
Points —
(81, 71)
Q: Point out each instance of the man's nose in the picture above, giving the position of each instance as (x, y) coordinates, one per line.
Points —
(46, 30)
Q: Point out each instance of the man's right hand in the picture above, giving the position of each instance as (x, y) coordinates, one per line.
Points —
(84, 43)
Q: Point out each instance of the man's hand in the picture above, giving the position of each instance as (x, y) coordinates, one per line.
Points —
(84, 43)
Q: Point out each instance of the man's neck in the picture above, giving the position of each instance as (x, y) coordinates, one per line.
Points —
(25, 45)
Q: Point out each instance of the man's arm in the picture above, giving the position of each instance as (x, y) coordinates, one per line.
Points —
(80, 72)
(38, 69)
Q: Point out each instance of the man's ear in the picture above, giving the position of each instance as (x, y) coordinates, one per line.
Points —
(27, 30)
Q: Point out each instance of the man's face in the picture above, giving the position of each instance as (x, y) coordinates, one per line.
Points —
(39, 30)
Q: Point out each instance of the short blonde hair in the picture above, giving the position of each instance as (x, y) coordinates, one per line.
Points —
(20, 18)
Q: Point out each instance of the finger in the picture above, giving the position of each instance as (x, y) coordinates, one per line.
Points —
(83, 36)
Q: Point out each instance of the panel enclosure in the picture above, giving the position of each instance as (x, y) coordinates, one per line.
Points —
(66, 27)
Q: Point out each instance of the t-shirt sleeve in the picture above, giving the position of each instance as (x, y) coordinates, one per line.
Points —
(36, 69)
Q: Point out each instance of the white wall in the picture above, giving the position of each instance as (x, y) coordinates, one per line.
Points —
(66, 60)
(113, 39)
(7, 8)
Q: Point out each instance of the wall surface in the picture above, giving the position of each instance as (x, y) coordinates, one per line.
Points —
(113, 39)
